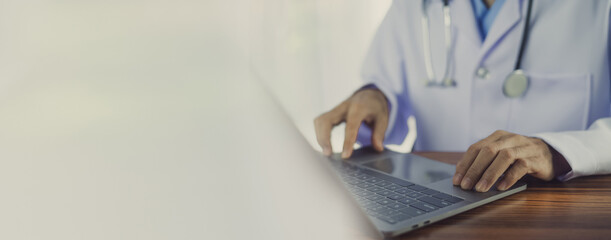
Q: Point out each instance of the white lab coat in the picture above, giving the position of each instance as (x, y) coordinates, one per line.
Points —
(566, 58)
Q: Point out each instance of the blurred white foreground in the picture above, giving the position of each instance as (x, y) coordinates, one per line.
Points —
(138, 120)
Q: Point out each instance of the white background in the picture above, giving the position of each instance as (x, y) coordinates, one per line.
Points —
(309, 53)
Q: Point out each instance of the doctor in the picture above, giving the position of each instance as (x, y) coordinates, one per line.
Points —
(522, 85)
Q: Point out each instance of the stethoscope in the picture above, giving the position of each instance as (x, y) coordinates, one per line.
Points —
(515, 84)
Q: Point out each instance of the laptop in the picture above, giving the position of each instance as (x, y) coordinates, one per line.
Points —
(402, 192)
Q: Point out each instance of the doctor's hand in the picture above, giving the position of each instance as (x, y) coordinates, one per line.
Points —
(503, 152)
(367, 105)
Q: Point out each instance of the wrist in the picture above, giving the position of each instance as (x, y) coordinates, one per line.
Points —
(559, 164)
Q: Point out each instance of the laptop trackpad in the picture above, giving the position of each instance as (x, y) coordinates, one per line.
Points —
(413, 168)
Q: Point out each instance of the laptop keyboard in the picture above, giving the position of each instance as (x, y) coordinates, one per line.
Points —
(391, 199)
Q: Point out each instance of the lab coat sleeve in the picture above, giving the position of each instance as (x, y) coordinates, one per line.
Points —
(587, 152)
(384, 68)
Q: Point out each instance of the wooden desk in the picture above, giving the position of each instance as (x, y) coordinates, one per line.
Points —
(578, 209)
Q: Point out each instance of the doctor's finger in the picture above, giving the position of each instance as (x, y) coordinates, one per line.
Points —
(501, 163)
(323, 135)
(509, 146)
(379, 130)
(467, 159)
(482, 161)
(506, 146)
(323, 126)
(353, 122)
(517, 171)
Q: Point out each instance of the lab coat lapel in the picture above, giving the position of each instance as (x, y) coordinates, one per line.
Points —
(507, 19)
(465, 21)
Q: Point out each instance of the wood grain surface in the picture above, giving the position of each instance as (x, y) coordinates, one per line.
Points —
(577, 209)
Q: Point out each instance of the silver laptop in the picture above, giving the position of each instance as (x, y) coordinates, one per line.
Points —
(402, 192)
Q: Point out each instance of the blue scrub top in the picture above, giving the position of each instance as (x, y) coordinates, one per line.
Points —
(485, 16)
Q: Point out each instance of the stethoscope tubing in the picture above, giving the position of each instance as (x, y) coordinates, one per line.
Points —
(447, 81)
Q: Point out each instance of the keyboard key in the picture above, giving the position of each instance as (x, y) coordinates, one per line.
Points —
(364, 185)
(403, 191)
(417, 188)
(353, 181)
(424, 206)
(357, 181)
(415, 195)
(359, 193)
(376, 189)
(374, 180)
(385, 201)
(392, 187)
(381, 210)
(376, 207)
(361, 200)
(372, 213)
(367, 204)
(366, 194)
(383, 183)
(388, 211)
(435, 201)
(396, 206)
(385, 193)
(395, 196)
(412, 211)
(364, 177)
(375, 197)
(407, 201)
(362, 192)
(430, 192)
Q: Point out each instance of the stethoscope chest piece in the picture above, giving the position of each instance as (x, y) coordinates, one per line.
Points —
(515, 84)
